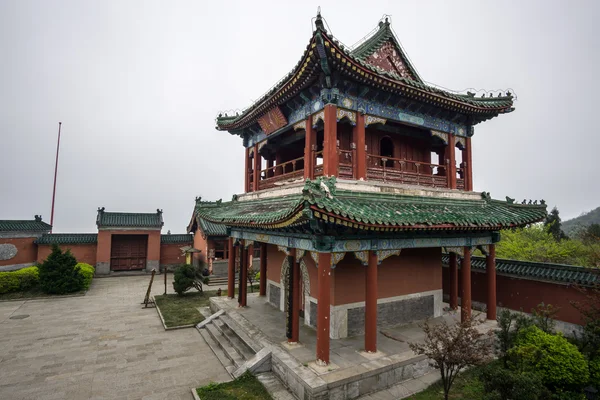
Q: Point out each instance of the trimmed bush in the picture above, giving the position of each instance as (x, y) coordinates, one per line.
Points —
(558, 362)
(87, 271)
(188, 276)
(505, 384)
(59, 273)
(22, 279)
(595, 372)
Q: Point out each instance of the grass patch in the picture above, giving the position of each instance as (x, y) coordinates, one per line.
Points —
(246, 387)
(183, 310)
(467, 386)
(34, 293)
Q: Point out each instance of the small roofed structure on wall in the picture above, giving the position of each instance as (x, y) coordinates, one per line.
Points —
(211, 239)
(17, 238)
(358, 178)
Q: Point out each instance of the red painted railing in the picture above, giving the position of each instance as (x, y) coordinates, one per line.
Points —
(285, 171)
(388, 169)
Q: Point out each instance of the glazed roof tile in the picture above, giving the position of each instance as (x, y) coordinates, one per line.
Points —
(178, 238)
(129, 220)
(323, 49)
(365, 210)
(15, 225)
(568, 274)
(67, 238)
(212, 229)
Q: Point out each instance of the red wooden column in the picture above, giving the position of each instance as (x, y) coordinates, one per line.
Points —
(295, 295)
(451, 156)
(243, 284)
(231, 269)
(491, 282)
(468, 160)
(465, 270)
(453, 281)
(371, 304)
(262, 291)
(270, 168)
(247, 171)
(330, 153)
(256, 169)
(323, 308)
(310, 141)
(359, 139)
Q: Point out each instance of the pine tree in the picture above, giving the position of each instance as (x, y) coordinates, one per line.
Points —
(59, 273)
(553, 223)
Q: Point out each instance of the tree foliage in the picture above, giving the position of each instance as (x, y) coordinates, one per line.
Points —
(536, 243)
(188, 276)
(553, 224)
(59, 273)
(505, 384)
(453, 347)
(558, 362)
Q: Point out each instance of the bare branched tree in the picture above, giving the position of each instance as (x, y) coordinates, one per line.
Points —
(454, 347)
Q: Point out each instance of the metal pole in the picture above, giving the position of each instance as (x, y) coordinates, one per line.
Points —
(55, 173)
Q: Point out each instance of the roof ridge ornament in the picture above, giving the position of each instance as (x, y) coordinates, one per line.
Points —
(319, 21)
(319, 188)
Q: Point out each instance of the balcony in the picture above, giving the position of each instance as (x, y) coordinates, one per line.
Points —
(379, 168)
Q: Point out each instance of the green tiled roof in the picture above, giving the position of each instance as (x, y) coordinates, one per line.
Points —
(179, 238)
(15, 225)
(68, 238)
(374, 211)
(568, 274)
(324, 53)
(212, 229)
(129, 220)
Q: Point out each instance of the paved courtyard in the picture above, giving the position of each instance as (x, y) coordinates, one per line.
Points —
(100, 346)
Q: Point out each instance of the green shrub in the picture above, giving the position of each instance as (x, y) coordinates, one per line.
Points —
(505, 384)
(22, 279)
(59, 273)
(595, 372)
(188, 276)
(558, 362)
(87, 271)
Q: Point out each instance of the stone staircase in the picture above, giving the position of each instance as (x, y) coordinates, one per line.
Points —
(234, 349)
(220, 281)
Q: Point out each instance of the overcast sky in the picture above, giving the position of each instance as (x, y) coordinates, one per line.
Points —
(137, 86)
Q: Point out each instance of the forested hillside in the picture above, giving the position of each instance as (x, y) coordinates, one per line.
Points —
(574, 225)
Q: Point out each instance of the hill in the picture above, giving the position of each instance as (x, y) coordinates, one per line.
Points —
(573, 225)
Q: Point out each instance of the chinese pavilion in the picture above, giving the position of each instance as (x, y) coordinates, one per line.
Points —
(358, 178)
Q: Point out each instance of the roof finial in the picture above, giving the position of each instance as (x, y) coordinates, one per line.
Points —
(38, 218)
(319, 20)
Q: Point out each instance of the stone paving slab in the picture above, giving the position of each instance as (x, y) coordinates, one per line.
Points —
(100, 346)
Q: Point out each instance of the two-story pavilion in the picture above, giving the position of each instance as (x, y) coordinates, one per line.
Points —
(358, 176)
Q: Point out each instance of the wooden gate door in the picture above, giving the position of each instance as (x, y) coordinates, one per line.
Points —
(128, 252)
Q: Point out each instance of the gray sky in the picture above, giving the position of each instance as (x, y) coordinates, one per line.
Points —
(137, 85)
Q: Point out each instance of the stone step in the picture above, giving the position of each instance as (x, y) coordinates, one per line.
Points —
(219, 281)
(406, 388)
(242, 348)
(274, 386)
(241, 333)
(214, 346)
(222, 341)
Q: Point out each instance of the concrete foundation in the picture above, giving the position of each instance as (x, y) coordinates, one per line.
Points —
(102, 268)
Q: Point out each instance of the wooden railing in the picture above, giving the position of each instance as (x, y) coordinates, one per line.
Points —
(286, 170)
(318, 163)
(346, 166)
(410, 172)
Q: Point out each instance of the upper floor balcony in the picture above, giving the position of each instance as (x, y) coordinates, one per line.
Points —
(393, 153)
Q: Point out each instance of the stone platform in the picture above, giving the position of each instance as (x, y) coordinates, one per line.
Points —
(351, 374)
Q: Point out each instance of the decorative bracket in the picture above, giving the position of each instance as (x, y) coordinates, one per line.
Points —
(336, 258)
(318, 116)
(363, 256)
(284, 250)
(371, 120)
(300, 125)
(456, 250)
(460, 140)
(383, 254)
(247, 243)
(299, 254)
(341, 114)
(484, 248)
(441, 135)
(315, 256)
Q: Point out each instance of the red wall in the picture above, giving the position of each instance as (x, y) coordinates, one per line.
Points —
(201, 244)
(26, 250)
(523, 294)
(414, 271)
(171, 253)
(85, 253)
(105, 237)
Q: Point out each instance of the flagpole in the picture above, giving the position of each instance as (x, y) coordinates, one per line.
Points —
(55, 173)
